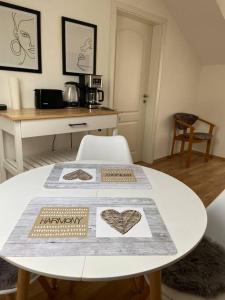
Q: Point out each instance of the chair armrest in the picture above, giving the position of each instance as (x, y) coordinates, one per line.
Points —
(211, 125)
(184, 124)
(207, 122)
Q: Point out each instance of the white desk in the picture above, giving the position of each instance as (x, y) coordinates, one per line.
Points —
(180, 208)
(26, 123)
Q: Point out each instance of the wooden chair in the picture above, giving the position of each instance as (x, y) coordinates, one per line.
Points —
(185, 122)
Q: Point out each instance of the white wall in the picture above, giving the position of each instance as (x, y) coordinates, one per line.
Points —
(97, 12)
(211, 103)
(180, 69)
(51, 12)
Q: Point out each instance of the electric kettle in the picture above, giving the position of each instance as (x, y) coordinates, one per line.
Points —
(72, 94)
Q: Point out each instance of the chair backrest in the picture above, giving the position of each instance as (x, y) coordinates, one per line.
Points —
(104, 148)
(187, 118)
(216, 220)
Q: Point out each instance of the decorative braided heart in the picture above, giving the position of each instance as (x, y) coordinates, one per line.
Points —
(123, 221)
(78, 174)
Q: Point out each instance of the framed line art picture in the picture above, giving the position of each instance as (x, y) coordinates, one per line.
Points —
(79, 40)
(20, 38)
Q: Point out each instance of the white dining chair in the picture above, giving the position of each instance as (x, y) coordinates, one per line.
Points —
(8, 281)
(216, 221)
(104, 148)
(216, 232)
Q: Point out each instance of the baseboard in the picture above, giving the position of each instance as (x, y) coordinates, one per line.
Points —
(142, 163)
(164, 158)
(194, 151)
(211, 155)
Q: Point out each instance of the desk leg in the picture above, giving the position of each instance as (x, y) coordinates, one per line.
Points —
(22, 285)
(155, 286)
(2, 157)
(115, 131)
(18, 147)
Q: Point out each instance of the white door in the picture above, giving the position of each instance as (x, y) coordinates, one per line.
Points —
(133, 46)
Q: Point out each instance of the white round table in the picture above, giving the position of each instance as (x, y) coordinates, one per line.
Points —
(181, 209)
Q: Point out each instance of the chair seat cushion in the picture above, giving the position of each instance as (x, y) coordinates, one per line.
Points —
(201, 273)
(199, 135)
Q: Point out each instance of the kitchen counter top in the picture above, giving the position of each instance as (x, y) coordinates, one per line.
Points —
(38, 114)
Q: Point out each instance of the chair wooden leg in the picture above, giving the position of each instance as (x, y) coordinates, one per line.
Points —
(22, 285)
(139, 284)
(189, 155)
(54, 283)
(182, 147)
(207, 150)
(173, 145)
(10, 297)
(155, 286)
(46, 286)
(71, 287)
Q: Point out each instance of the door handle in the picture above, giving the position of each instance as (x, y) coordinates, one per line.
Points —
(145, 97)
(77, 124)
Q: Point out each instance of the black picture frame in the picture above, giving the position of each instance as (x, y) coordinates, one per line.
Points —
(31, 54)
(68, 54)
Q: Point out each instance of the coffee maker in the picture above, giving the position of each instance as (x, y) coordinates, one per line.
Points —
(91, 93)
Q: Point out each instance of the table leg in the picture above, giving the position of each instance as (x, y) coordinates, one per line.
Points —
(46, 286)
(18, 148)
(54, 283)
(139, 283)
(115, 131)
(155, 286)
(22, 285)
(9, 297)
(2, 157)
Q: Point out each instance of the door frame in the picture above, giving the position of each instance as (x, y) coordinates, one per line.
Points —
(156, 61)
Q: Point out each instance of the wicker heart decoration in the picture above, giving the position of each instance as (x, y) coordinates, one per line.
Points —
(78, 174)
(123, 221)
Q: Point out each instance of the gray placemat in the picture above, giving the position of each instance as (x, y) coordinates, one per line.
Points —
(19, 244)
(56, 181)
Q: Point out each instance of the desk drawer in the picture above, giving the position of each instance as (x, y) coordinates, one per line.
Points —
(31, 128)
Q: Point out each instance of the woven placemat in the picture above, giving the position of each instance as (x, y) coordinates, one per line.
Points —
(117, 175)
(61, 222)
(97, 176)
(20, 244)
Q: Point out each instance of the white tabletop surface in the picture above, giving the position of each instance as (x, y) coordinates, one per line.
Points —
(181, 209)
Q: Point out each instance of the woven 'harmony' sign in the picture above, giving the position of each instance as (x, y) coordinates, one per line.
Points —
(61, 222)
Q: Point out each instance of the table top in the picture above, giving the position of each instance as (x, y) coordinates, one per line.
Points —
(181, 209)
(39, 114)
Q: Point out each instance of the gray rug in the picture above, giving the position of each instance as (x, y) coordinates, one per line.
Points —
(201, 273)
(8, 275)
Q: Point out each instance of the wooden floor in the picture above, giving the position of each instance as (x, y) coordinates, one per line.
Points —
(206, 179)
(116, 290)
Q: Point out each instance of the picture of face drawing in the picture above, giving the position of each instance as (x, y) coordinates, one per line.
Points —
(83, 61)
(23, 44)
